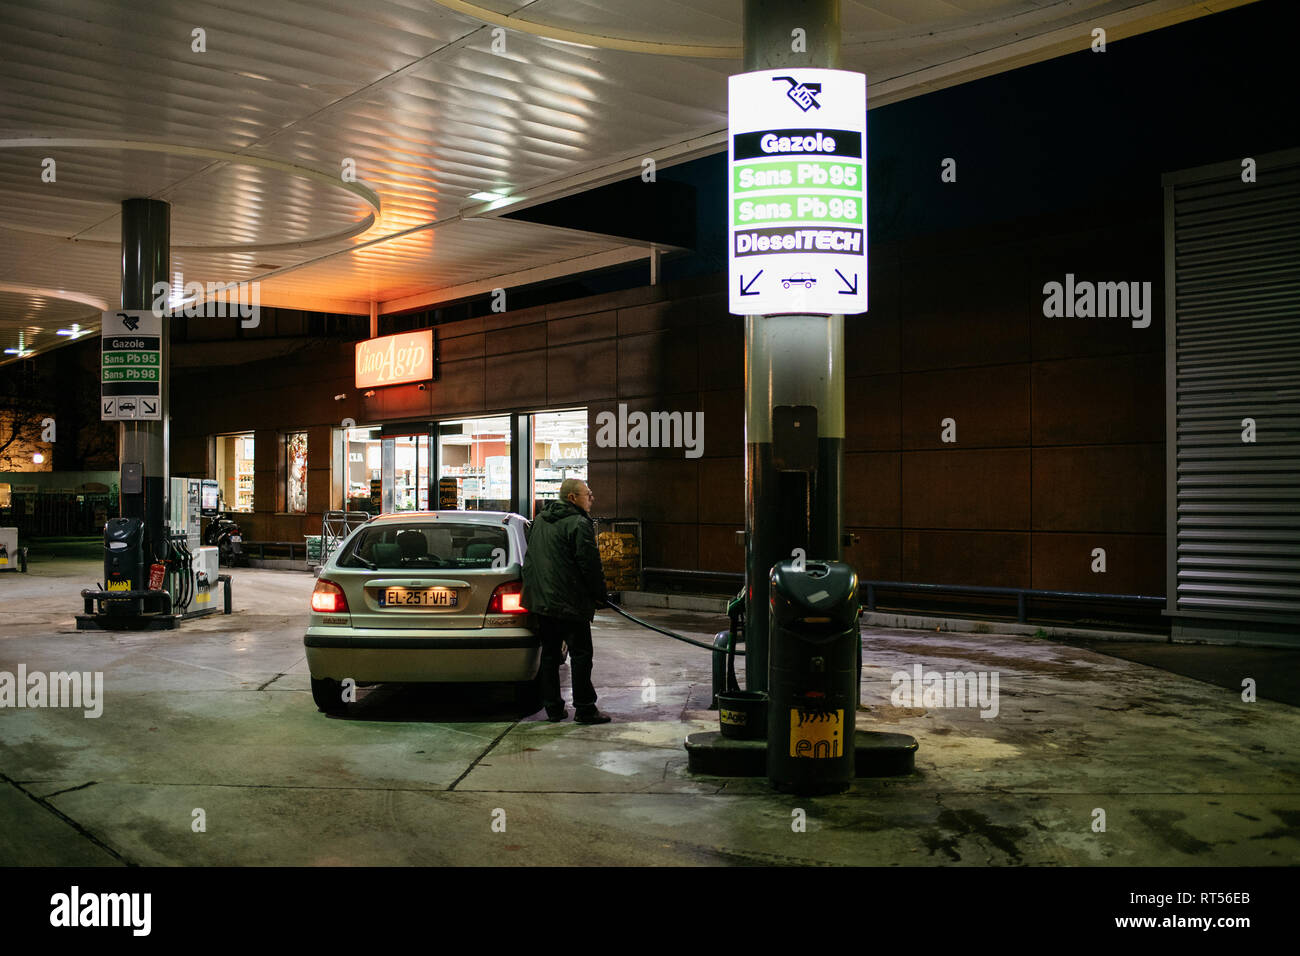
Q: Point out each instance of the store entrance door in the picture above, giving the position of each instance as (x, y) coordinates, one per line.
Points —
(406, 473)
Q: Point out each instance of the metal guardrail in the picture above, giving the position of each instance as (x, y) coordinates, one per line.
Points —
(1022, 595)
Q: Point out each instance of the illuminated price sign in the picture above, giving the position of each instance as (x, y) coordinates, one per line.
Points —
(797, 192)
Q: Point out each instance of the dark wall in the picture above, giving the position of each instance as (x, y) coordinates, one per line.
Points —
(1059, 450)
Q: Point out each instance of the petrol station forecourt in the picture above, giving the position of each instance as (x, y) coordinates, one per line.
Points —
(946, 519)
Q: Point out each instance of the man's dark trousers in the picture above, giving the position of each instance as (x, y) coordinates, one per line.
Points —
(553, 632)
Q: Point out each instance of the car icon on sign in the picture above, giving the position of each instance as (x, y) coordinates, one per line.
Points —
(806, 279)
(126, 406)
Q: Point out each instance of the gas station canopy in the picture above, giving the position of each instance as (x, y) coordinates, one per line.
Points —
(250, 118)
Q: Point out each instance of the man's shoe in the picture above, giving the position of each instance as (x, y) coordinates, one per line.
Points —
(592, 717)
(557, 715)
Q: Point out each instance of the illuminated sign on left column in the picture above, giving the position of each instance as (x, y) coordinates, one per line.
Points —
(395, 359)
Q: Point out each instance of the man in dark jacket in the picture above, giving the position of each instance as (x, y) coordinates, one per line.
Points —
(564, 583)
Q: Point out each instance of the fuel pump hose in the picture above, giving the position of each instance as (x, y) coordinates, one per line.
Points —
(667, 633)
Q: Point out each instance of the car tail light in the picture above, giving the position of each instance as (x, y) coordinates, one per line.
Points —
(507, 599)
(328, 598)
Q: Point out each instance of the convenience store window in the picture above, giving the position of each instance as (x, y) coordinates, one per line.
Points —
(362, 470)
(295, 460)
(411, 473)
(235, 471)
(476, 452)
(559, 452)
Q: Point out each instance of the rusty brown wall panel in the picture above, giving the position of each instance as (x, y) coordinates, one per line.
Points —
(722, 354)
(460, 388)
(872, 342)
(724, 422)
(1135, 563)
(581, 328)
(461, 347)
(872, 412)
(670, 545)
(664, 490)
(657, 362)
(582, 373)
(990, 407)
(670, 314)
(606, 301)
(1127, 251)
(602, 479)
(189, 456)
(871, 492)
(515, 379)
(718, 548)
(684, 403)
(597, 451)
(1100, 488)
(963, 310)
(520, 339)
(877, 555)
(1114, 398)
(514, 318)
(985, 558)
(983, 488)
(722, 490)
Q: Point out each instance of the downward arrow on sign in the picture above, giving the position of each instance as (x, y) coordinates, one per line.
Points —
(852, 286)
(744, 289)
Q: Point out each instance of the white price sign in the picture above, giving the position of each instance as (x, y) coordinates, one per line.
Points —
(131, 360)
(797, 192)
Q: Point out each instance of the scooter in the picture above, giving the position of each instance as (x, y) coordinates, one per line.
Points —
(223, 533)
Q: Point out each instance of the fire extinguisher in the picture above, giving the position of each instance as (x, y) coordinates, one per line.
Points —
(157, 571)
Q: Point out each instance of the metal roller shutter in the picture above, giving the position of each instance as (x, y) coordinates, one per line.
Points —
(1232, 283)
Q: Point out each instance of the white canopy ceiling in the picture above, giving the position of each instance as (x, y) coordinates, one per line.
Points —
(248, 140)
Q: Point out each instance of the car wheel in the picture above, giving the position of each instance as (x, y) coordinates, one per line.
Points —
(785, 285)
(328, 695)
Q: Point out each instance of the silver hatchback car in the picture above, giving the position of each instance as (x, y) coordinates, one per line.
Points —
(426, 596)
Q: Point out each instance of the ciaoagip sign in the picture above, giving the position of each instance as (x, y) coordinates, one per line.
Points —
(395, 359)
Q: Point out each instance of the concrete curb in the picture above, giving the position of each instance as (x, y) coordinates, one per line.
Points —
(280, 564)
(679, 602)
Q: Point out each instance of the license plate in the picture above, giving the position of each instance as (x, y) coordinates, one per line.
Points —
(118, 586)
(417, 597)
(236, 538)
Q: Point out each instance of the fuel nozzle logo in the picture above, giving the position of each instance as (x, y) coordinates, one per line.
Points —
(804, 95)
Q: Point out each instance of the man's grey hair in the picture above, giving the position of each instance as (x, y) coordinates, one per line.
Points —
(570, 486)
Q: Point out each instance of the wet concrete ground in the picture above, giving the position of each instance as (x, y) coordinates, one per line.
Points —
(217, 717)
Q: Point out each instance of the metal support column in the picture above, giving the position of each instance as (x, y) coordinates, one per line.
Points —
(521, 464)
(794, 374)
(146, 260)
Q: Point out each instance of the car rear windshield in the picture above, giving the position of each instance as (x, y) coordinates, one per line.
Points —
(443, 545)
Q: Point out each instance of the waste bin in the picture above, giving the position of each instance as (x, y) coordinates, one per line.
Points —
(812, 676)
(124, 561)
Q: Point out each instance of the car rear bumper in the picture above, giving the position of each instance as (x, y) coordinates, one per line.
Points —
(493, 654)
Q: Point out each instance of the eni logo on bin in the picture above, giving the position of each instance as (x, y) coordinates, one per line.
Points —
(816, 734)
